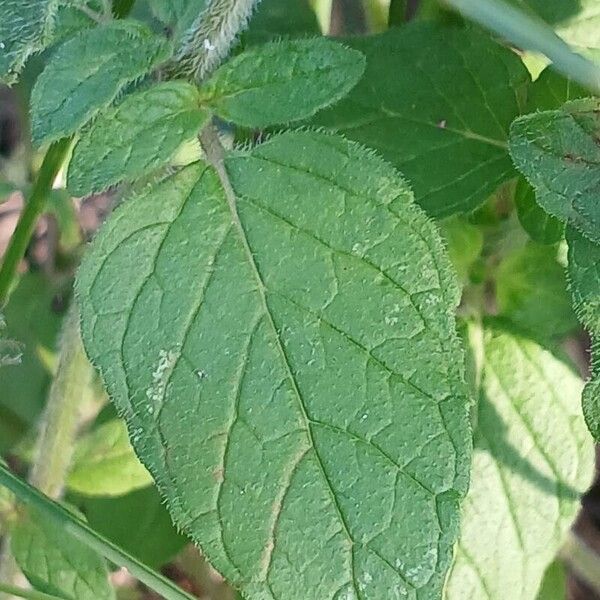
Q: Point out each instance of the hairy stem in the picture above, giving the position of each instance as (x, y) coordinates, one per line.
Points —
(212, 35)
(530, 34)
(75, 527)
(33, 209)
(71, 390)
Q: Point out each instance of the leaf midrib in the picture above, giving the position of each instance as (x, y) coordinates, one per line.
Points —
(215, 155)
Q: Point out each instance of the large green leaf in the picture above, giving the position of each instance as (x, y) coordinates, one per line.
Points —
(558, 153)
(56, 563)
(281, 341)
(25, 28)
(531, 289)
(88, 72)
(104, 463)
(139, 135)
(533, 458)
(584, 276)
(437, 102)
(283, 81)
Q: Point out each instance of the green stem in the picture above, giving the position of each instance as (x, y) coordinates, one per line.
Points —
(33, 209)
(530, 33)
(397, 15)
(75, 527)
(582, 560)
(72, 389)
(27, 594)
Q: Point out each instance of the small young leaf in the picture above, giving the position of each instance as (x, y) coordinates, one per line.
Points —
(533, 459)
(551, 90)
(558, 153)
(25, 28)
(87, 73)
(464, 242)
(105, 464)
(56, 563)
(437, 102)
(283, 81)
(280, 336)
(532, 292)
(541, 227)
(554, 584)
(139, 135)
(153, 540)
(584, 277)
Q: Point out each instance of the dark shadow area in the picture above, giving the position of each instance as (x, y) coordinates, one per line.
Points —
(491, 435)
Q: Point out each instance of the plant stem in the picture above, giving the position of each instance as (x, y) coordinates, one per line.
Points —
(582, 559)
(347, 18)
(75, 527)
(210, 38)
(70, 391)
(32, 210)
(27, 594)
(397, 14)
(530, 33)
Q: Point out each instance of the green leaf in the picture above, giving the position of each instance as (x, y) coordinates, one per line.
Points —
(25, 28)
(293, 379)
(87, 73)
(531, 290)
(464, 242)
(554, 584)
(551, 90)
(283, 81)
(558, 153)
(31, 321)
(584, 278)
(275, 19)
(136, 137)
(437, 102)
(533, 458)
(153, 540)
(105, 464)
(56, 563)
(541, 227)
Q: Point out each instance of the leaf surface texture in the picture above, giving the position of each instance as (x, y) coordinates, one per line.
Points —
(279, 333)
